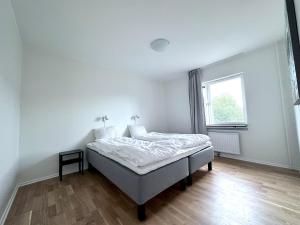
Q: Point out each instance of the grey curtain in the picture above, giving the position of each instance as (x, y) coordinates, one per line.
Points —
(197, 111)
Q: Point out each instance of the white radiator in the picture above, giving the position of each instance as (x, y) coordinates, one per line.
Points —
(225, 142)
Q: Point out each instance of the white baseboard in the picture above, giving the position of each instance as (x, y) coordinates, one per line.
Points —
(38, 179)
(13, 195)
(255, 161)
(9, 204)
(69, 171)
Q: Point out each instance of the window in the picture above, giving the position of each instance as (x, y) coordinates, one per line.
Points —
(225, 101)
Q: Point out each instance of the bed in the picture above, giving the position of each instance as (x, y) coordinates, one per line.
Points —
(149, 171)
(196, 160)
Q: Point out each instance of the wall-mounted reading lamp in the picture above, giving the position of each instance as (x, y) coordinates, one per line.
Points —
(103, 119)
(135, 118)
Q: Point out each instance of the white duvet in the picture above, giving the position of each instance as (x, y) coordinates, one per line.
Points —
(185, 140)
(135, 153)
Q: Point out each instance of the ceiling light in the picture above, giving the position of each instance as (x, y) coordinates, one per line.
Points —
(159, 45)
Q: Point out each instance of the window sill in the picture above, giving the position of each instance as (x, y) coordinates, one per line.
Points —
(228, 127)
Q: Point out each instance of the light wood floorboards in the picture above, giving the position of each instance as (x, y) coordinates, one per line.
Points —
(233, 192)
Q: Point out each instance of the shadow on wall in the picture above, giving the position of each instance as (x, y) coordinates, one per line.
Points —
(48, 166)
(126, 132)
(122, 131)
(89, 137)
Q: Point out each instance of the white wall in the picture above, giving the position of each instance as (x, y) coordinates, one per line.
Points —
(271, 122)
(10, 77)
(62, 98)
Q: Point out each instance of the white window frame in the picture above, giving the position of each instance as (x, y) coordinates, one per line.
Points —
(207, 101)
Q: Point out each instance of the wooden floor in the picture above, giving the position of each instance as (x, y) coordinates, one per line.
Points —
(233, 193)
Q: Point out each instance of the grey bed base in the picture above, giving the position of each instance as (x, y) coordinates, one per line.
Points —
(198, 160)
(141, 188)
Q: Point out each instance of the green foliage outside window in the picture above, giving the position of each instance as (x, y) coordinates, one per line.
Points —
(226, 110)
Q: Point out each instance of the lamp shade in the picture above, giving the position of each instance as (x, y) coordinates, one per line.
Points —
(159, 45)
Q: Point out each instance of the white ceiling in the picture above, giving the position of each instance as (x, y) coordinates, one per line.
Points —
(117, 33)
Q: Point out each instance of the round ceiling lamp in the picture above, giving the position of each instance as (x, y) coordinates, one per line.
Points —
(160, 44)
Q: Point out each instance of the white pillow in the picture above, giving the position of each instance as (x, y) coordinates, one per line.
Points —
(105, 132)
(136, 131)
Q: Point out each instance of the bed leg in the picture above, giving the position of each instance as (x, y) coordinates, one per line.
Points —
(209, 166)
(189, 180)
(183, 184)
(90, 167)
(141, 212)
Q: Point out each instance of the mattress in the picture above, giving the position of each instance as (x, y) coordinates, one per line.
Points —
(144, 156)
(188, 140)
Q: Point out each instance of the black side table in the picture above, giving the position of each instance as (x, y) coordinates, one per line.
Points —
(78, 159)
